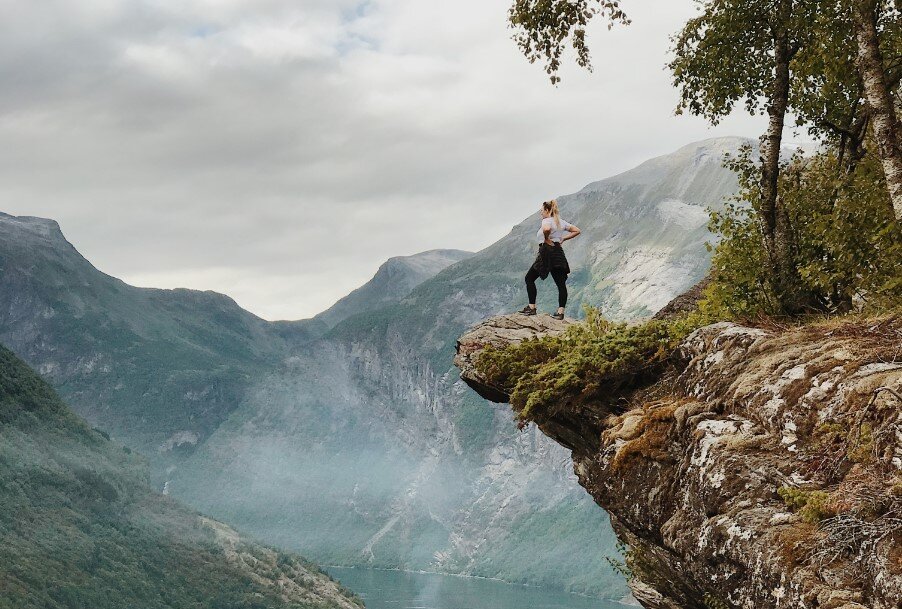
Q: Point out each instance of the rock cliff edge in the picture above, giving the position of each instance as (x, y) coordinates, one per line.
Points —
(763, 469)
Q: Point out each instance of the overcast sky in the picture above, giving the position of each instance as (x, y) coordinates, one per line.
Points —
(280, 150)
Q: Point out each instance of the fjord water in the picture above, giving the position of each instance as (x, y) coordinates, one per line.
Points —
(381, 589)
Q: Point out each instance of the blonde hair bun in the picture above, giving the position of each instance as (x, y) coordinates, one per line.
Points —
(551, 207)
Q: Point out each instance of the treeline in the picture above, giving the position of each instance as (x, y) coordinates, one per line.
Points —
(817, 233)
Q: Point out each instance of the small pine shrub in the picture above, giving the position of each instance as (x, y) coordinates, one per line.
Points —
(862, 448)
(812, 506)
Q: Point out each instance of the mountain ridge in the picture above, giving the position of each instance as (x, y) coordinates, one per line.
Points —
(406, 271)
(356, 444)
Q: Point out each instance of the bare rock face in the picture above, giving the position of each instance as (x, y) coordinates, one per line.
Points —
(500, 331)
(769, 474)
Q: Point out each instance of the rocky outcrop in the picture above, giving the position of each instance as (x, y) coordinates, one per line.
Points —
(764, 472)
(499, 331)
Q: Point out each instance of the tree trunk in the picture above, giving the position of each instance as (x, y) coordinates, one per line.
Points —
(873, 76)
(772, 218)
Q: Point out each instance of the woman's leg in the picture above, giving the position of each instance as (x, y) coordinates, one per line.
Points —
(531, 290)
(560, 280)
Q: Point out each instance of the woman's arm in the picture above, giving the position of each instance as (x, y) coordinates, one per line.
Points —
(573, 231)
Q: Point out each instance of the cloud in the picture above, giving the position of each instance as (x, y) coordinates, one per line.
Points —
(279, 150)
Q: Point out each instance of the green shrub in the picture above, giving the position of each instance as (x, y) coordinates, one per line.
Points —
(812, 506)
(861, 449)
(621, 565)
(597, 360)
(847, 243)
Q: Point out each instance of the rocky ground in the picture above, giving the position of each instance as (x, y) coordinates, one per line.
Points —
(762, 470)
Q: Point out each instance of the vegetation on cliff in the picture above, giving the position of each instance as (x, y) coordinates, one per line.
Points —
(847, 248)
(593, 361)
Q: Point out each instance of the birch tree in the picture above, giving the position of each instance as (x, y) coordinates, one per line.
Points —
(741, 52)
(826, 93)
(544, 28)
(869, 18)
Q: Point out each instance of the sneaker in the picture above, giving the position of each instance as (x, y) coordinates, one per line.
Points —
(558, 316)
(528, 310)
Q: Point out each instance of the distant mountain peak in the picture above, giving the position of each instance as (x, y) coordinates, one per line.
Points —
(704, 152)
(426, 261)
(394, 280)
(726, 143)
(43, 227)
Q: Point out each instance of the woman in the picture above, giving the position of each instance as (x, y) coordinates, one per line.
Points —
(550, 259)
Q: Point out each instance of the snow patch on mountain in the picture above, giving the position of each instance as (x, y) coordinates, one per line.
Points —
(682, 214)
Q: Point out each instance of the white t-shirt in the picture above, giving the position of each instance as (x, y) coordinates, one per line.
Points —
(556, 233)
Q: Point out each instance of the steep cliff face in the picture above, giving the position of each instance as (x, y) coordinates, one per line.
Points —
(763, 471)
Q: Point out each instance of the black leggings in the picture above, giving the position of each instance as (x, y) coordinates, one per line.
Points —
(560, 279)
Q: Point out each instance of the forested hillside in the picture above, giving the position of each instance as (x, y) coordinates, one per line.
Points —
(81, 527)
